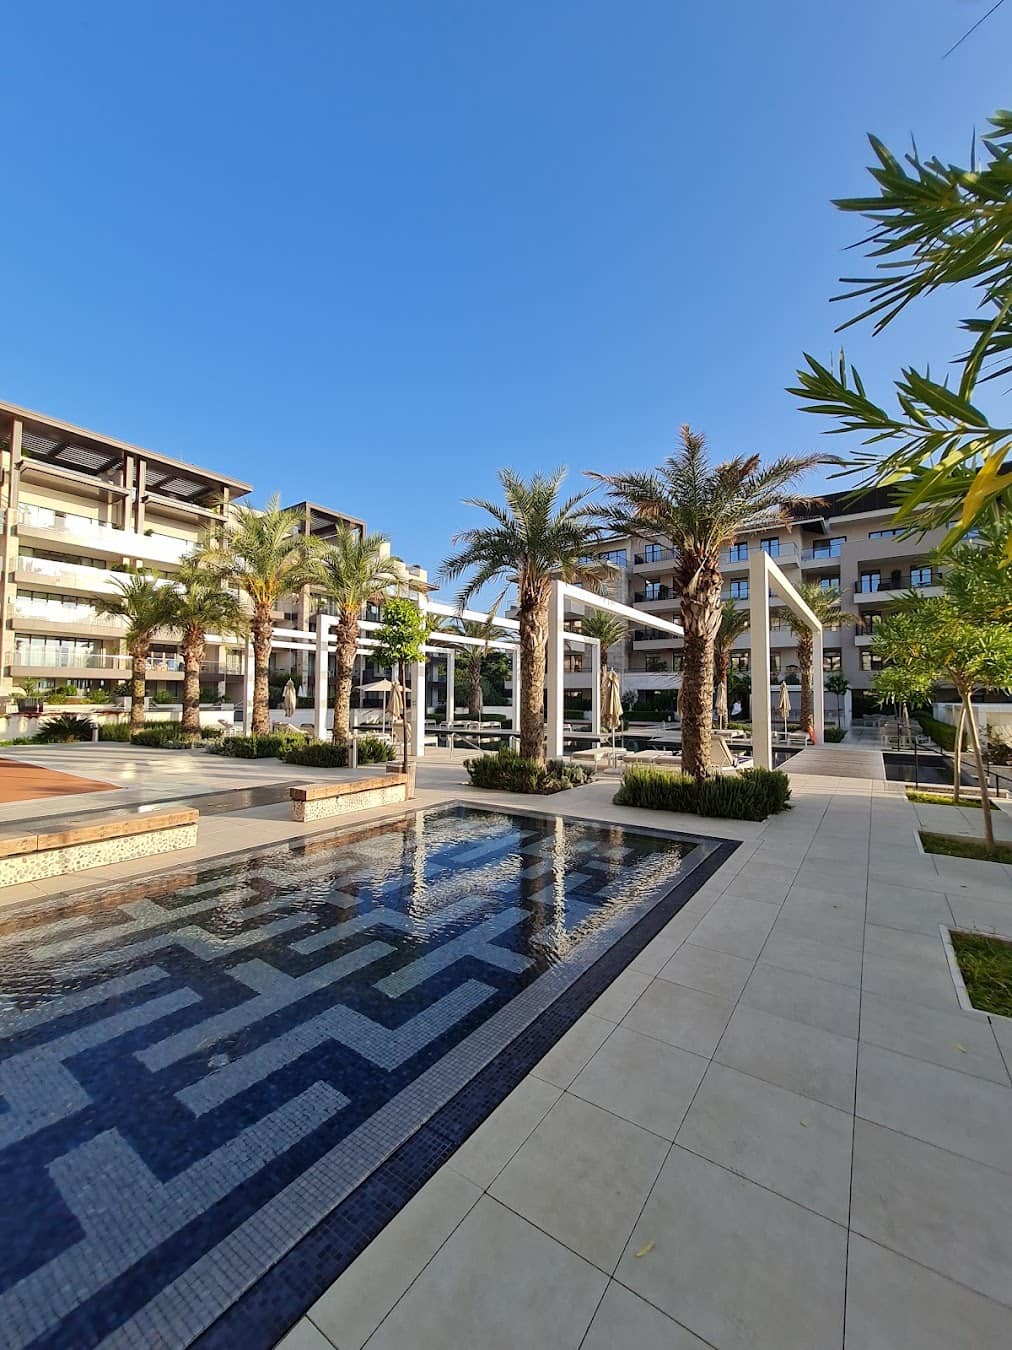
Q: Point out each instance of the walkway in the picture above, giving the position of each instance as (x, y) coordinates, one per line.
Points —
(22, 782)
(775, 1129)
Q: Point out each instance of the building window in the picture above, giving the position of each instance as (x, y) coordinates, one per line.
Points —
(828, 548)
(739, 589)
(920, 576)
(572, 663)
(832, 659)
(884, 534)
(775, 665)
(738, 552)
(869, 582)
(828, 584)
(770, 546)
(870, 660)
(740, 661)
(617, 556)
(652, 553)
(656, 665)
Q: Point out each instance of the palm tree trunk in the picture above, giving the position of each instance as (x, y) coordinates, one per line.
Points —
(474, 688)
(985, 796)
(263, 628)
(344, 669)
(700, 620)
(721, 664)
(138, 679)
(193, 654)
(957, 754)
(805, 657)
(533, 637)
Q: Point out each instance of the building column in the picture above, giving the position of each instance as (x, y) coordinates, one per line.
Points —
(554, 677)
(451, 676)
(140, 488)
(818, 688)
(515, 692)
(595, 687)
(759, 633)
(320, 677)
(418, 707)
(247, 691)
(12, 487)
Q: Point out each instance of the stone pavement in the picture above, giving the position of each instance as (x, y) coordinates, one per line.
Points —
(776, 1128)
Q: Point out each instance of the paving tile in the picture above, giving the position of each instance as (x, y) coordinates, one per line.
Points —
(836, 930)
(654, 955)
(725, 1254)
(681, 1016)
(623, 1319)
(893, 906)
(945, 1212)
(795, 1146)
(803, 1059)
(572, 1051)
(824, 960)
(894, 1304)
(958, 1040)
(988, 880)
(353, 1307)
(956, 1111)
(642, 1080)
(1002, 1028)
(497, 1283)
(738, 927)
(583, 1176)
(304, 1336)
(711, 971)
(620, 995)
(803, 998)
(972, 911)
(483, 1156)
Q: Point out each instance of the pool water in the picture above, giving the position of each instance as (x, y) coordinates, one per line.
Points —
(217, 1085)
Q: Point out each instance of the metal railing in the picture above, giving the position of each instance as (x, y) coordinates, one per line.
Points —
(657, 555)
(897, 581)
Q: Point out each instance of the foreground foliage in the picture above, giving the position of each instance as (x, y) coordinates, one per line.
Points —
(267, 746)
(958, 846)
(328, 755)
(752, 794)
(510, 772)
(986, 966)
(64, 729)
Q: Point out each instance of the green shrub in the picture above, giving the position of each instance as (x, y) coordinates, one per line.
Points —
(942, 733)
(211, 733)
(752, 794)
(374, 750)
(164, 697)
(509, 772)
(833, 735)
(65, 728)
(114, 731)
(317, 754)
(256, 747)
(163, 736)
(98, 696)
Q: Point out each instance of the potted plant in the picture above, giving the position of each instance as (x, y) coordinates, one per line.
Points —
(28, 699)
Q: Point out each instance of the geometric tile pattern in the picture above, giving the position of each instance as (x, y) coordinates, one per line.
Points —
(197, 1070)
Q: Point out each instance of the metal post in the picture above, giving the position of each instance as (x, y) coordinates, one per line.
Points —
(515, 699)
(818, 689)
(451, 684)
(248, 685)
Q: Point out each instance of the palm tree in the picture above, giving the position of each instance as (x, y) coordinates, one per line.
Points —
(825, 605)
(609, 630)
(357, 571)
(481, 631)
(200, 605)
(266, 555)
(733, 622)
(146, 603)
(533, 540)
(698, 510)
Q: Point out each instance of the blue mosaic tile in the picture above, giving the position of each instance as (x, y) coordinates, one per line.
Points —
(217, 1086)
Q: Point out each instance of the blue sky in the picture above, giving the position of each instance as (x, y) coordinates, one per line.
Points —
(368, 253)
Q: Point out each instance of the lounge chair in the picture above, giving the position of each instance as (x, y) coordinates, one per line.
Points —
(723, 760)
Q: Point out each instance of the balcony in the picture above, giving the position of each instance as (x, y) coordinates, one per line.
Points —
(48, 574)
(736, 559)
(895, 586)
(232, 665)
(819, 555)
(95, 536)
(31, 660)
(655, 557)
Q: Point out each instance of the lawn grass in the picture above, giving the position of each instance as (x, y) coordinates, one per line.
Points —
(939, 799)
(957, 846)
(986, 965)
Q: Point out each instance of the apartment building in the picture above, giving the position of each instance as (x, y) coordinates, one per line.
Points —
(849, 543)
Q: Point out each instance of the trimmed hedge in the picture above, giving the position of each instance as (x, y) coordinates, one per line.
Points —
(752, 794)
(833, 735)
(256, 747)
(942, 733)
(328, 755)
(509, 772)
(114, 731)
(164, 736)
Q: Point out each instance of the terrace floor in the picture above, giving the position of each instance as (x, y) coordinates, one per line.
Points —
(776, 1128)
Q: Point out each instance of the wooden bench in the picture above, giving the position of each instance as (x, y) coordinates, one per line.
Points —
(317, 801)
(93, 839)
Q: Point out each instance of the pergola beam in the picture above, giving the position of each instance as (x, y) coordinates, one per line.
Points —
(764, 575)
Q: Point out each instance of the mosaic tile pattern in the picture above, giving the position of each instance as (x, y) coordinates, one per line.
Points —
(245, 1069)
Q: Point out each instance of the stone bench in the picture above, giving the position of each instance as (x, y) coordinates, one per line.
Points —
(96, 839)
(317, 801)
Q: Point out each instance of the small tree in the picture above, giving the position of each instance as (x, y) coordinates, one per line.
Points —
(609, 630)
(825, 605)
(399, 641)
(147, 604)
(929, 639)
(733, 623)
(200, 604)
(838, 684)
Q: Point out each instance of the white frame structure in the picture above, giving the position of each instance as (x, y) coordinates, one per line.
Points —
(557, 639)
(763, 576)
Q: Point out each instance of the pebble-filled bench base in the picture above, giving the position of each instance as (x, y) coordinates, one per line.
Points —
(108, 837)
(317, 801)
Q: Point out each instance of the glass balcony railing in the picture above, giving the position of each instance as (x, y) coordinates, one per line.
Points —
(159, 547)
(653, 555)
(63, 659)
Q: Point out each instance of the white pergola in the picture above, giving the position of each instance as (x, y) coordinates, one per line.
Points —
(764, 576)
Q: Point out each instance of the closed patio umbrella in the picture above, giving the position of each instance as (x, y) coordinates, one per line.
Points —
(785, 703)
(289, 699)
(611, 713)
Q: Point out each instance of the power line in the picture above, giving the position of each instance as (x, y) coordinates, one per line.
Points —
(981, 20)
